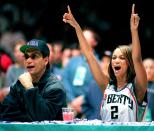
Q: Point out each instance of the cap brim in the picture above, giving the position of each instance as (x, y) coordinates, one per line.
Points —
(24, 48)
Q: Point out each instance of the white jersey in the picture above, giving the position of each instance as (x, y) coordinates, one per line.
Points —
(119, 105)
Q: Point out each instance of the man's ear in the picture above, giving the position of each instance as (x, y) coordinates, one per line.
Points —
(46, 59)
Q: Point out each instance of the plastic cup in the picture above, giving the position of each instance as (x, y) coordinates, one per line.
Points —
(68, 114)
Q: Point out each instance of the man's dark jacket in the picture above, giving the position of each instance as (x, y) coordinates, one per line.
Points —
(43, 102)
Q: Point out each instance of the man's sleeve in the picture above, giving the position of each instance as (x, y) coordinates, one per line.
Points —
(46, 106)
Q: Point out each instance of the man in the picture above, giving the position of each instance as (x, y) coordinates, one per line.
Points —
(93, 97)
(16, 69)
(92, 102)
(37, 95)
(149, 68)
(77, 75)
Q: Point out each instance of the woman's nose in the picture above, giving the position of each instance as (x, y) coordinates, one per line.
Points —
(117, 60)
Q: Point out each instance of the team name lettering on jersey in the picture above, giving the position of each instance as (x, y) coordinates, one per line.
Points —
(114, 98)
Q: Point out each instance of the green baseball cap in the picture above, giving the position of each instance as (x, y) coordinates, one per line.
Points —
(38, 45)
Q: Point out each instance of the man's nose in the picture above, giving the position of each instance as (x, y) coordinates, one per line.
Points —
(29, 60)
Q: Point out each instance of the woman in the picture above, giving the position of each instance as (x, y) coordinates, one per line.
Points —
(126, 85)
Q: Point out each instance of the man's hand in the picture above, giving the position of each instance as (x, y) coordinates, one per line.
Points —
(77, 103)
(26, 80)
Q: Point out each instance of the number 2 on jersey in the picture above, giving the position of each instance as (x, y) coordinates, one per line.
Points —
(114, 112)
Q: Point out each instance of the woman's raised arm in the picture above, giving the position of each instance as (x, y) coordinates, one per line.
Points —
(101, 79)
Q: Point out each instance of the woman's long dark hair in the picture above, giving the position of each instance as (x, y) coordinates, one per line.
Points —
(127, 52)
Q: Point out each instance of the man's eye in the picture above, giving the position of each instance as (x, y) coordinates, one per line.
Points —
(26, 56)
(33, 56)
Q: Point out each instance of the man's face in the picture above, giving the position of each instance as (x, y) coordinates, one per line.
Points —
(90, 37)
(35, 63)
(149, 68)
(18, 54)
